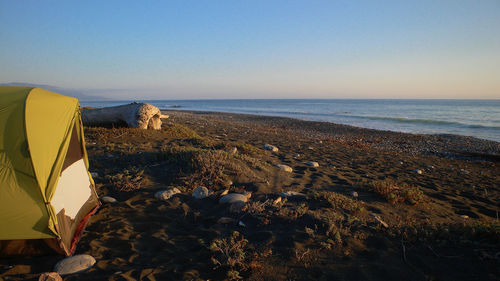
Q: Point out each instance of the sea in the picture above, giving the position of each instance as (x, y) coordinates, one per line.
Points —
(477, 118)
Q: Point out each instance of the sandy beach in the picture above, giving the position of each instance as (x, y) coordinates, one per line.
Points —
(356, 204)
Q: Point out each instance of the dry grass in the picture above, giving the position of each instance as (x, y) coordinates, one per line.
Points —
(397, 192)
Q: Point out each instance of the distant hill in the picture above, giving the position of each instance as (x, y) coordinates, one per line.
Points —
(79, 94)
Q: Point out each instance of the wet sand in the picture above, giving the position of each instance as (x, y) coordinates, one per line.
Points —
(447, 228)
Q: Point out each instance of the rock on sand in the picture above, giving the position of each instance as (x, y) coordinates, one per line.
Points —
(292, 194)
(312, 164)
(200, 192)
(233, 198)
(270, 147)
(166, 194)
(285, 168)
(50, 276)
(108, 199)
(74, 264)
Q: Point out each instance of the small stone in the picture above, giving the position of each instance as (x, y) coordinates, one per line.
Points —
(270, 147)
(401, 163)
(312, 164)
(292, 194)
(242, 224)
(166, 194)
(285, 168)
(50, 276)
(464, 217)
(320, 141)
(234, 150)
(379, 220)
(354, 194)
(229, 182)
(430, 167)
(225, 220)
(296, 155)
(310, 148)
(418, 171)
(94, 175)
(233, 198)
(200, 192)
(225, 192)
(276, 201)
(74, 264)
(108, 199)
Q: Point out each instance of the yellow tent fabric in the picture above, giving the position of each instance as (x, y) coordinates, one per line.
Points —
(35, 130)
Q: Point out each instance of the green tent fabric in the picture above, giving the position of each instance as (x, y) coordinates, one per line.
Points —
(36, 129)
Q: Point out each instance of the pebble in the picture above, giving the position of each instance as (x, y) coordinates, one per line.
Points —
(74, 264)
(285, 168)
(296, 155)
(354, 194)
(200, 192)
(94, 175)
(50, 276)
(270, 147)
(233, 198)
(312, 164)
(108, 199)
(418, 171)
(225, 220)
(292, 194)
(277, 200)
(225, 192)
(464, 217)
(166, 194)
(234, 150)
(242, 224)
(401, 163)
(430, 167)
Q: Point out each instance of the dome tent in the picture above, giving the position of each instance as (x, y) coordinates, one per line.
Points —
(46, 192)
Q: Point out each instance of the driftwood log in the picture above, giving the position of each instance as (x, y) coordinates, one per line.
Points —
(135, 115)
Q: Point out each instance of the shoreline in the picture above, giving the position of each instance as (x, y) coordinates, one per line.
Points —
(448, 145)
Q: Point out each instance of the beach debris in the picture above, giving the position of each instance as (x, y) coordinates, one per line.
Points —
(166, 194)
(354, 194)
(285, 168)
(136, 115)
(200, 192)
(94, 174)
(418, 171)
(312, 164)
(234, 150)
(225, 220)
(292, 194)
(74, 264)
(270, 147)
(233, 198)
(108, 199)
(277, 201)
(242, 224)
(50, 276)
(379, 220)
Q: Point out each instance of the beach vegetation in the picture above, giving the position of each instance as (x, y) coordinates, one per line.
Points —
(395, 192)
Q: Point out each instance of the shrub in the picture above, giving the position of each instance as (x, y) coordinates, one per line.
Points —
(397, 193)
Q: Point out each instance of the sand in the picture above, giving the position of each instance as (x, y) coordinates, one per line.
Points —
(442, 219)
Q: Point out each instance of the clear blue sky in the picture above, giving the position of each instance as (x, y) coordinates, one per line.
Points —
(255, 49)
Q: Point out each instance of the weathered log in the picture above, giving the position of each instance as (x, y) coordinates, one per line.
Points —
(135, 115)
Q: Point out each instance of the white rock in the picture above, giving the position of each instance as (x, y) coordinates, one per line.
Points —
(270, 147)
(312, 164)
(74, 264)
(94, 175)
(108, 199)
(233, 198)
(464, 217)
(296, 155)
(285, 168)
(354, 194)
(292, 194)
(200, 192)
(166, 194)
(418, 171)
